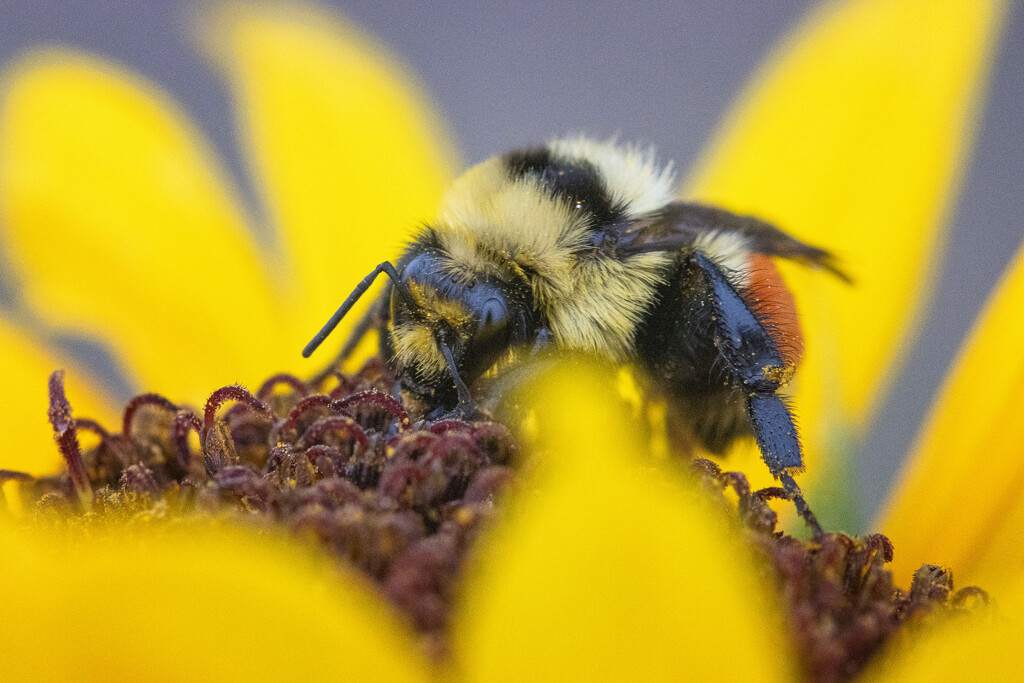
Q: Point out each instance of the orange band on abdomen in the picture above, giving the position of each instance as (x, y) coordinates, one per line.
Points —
(773, 304)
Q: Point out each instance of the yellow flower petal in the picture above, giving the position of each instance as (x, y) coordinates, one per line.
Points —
(190, 603)
(852, 138)
(978, 647)
(26, 429)
(608, 569)
(347, 154)
(121, 227)
(959, 502)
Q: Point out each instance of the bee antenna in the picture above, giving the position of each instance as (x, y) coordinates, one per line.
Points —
(360, 289)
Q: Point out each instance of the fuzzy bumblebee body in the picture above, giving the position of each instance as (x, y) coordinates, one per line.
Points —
(579, 245)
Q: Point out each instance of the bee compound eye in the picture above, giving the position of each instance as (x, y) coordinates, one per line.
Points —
(493, 317)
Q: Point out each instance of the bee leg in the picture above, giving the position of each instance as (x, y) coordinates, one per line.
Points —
(465, 407)
(756, 362)
(780, 448)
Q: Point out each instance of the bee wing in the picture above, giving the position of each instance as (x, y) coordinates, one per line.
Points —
(679, 224)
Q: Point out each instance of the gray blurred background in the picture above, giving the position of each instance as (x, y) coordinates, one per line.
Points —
(504, 75)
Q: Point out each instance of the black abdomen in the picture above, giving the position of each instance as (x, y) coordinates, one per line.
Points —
(676, 350)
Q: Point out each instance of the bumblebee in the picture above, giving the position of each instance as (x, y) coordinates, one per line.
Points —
(580, 245)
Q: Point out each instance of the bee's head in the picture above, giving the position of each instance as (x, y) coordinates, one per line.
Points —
(436, 311)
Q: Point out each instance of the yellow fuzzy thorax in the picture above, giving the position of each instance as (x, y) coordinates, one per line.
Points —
(490, 225)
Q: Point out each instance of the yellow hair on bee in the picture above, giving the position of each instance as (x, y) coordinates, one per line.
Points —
(593, 304)
(631, 176)
(487, 223)
(413, 341)
(433, 304)
(606, 301)
(730, 251)
(415, 346)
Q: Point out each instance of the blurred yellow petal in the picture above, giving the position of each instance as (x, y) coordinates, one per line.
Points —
(347, 153)
(853, 137)
(975, 647)
(610, 569)
(190, 603)
(121, 227)
(960, 501)
(26, 429)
